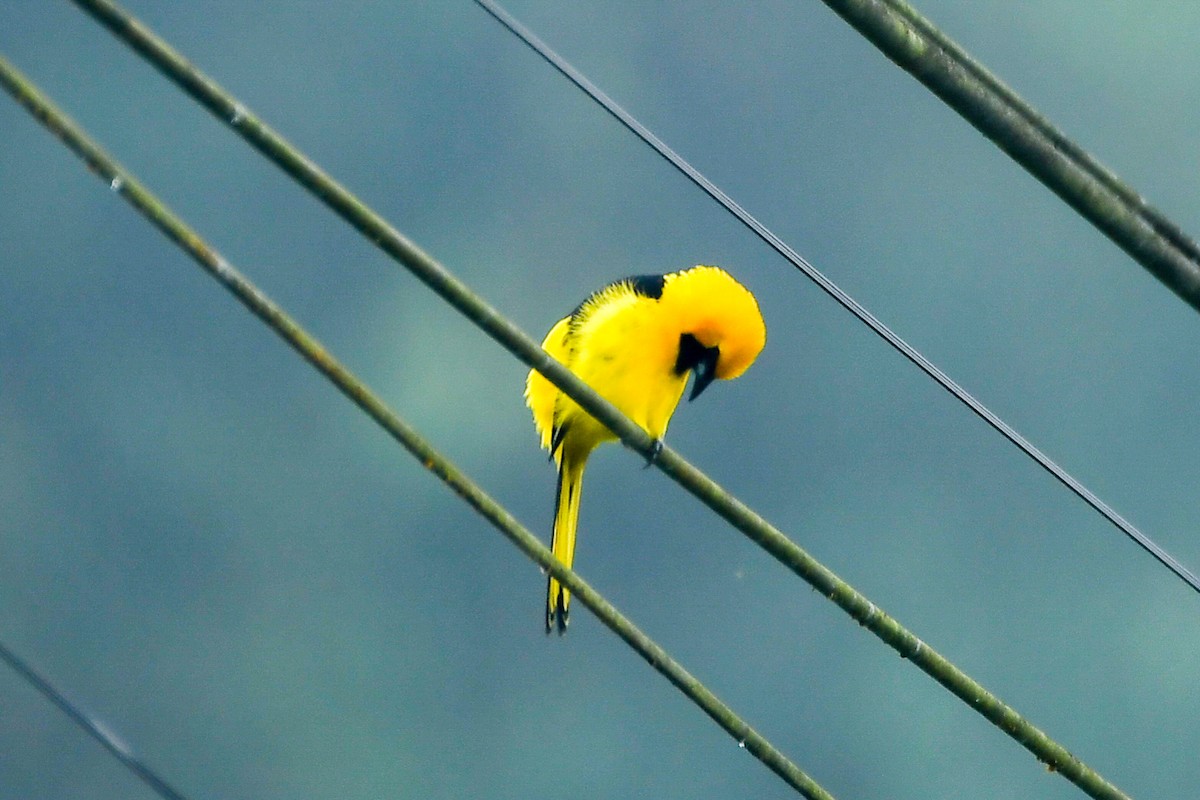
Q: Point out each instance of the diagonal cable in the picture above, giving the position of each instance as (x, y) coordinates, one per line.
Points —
(338, 198)
(917, 46)
(115, 746)
(840, 295)
(175, 229)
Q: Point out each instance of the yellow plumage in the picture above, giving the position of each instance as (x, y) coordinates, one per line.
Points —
(635, 342)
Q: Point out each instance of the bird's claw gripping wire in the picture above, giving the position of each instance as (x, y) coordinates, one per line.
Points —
(656, 449)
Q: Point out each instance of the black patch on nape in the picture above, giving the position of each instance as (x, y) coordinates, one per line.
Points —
(647, 285)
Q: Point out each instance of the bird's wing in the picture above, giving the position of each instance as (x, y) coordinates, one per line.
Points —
(540, 394)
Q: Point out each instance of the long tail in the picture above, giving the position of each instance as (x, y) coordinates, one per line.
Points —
(566, 515)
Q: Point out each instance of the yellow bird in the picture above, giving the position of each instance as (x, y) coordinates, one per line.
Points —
(635, 342)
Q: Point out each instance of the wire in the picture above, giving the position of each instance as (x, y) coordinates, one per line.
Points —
(256, 132)
(93, 727)
(866, 613)
(158, 214)
(917, 46)
(837, 293)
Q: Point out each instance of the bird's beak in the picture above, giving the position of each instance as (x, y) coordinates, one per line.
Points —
(704, 372)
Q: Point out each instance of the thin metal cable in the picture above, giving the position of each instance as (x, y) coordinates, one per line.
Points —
(932, 58)
(93, 727)
(833, 290)
(134, 192)
(741, 517)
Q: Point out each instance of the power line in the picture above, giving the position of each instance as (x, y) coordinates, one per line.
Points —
(174, 228)
(115, 746)
(917, 46)
(271, 144)
(837, 293)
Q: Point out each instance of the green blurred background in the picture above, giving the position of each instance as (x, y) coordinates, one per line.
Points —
(222, 559)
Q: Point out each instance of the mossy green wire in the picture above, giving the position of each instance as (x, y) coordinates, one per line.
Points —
(256, 132)
(153, 209)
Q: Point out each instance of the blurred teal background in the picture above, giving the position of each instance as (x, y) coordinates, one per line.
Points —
(222, 559)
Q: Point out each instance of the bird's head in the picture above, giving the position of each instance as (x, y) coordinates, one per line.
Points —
(721, 330)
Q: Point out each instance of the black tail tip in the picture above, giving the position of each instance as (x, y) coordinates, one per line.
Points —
(556, 615)
(556, 621)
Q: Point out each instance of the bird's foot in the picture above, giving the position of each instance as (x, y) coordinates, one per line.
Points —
(655, 450)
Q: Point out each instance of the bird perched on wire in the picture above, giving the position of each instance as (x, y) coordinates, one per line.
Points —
(635, 342)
